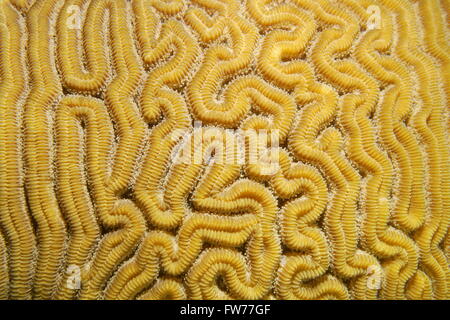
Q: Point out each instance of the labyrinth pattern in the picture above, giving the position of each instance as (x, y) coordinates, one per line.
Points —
(93, 205)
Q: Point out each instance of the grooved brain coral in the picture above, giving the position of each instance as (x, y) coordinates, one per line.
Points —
(116, 116)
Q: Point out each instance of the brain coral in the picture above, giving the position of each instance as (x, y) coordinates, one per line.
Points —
(215, 149)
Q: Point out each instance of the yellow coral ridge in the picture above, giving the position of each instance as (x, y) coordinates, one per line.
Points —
(224, 149)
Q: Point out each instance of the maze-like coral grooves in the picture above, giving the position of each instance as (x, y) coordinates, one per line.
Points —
(93, 204)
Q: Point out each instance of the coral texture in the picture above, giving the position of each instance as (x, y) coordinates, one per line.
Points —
(350, 201)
